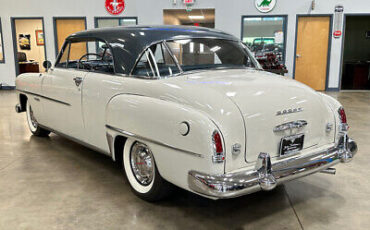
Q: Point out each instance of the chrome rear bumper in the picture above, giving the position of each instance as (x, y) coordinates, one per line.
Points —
(265, 176)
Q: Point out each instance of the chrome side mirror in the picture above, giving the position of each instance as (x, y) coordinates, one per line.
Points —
(47, 65)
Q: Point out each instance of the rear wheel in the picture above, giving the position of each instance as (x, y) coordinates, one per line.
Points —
(32, 123)
(142, 173)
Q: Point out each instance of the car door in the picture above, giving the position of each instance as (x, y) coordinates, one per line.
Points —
(62, 90)
(100, 85)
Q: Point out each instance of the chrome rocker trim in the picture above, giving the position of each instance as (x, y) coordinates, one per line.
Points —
(265, 175)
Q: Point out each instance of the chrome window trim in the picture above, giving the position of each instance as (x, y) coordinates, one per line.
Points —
(173, 57)
(154, 62)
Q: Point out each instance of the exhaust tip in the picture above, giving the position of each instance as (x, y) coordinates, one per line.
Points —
(330, 171)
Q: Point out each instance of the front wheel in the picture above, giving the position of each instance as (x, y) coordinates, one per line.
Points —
(142, 173)
(32, 123)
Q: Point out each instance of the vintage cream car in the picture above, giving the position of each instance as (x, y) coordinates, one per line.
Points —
(184, 106)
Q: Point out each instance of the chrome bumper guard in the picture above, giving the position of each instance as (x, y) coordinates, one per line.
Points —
(265, 176)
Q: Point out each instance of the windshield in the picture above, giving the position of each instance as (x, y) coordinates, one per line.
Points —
(176, 56)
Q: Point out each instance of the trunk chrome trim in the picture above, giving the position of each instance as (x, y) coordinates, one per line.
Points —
(129, 134)
(290, 126)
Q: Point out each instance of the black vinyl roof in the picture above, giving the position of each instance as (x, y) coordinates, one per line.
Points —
(128, 42)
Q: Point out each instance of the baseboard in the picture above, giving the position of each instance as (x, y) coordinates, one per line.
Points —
(6, 87)
(332, 90)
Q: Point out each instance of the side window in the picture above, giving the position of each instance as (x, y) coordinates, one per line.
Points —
(77, 52)
(62, 63)
(156, 61)
(77, 56)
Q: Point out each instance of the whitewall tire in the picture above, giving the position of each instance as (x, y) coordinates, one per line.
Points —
(33, 124)
(142, 173)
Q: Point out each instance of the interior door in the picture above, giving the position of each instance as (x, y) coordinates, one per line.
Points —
(67, 26)
(312, 51)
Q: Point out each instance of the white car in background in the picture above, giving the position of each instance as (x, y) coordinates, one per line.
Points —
(184, 106)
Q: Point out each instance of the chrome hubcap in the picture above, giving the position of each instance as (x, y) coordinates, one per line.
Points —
(32, 117)
(142, 163)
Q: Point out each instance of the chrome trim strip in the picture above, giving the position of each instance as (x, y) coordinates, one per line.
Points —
(265, 175)
(44, 97)
(129, 134)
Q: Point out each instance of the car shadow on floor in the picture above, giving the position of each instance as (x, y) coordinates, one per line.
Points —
(184, 208)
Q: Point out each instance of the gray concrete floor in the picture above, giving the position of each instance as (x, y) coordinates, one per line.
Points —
(54, 183)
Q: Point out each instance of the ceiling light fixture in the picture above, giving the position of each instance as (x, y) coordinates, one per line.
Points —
(196, 16)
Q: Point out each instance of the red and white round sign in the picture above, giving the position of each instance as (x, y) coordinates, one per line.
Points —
(115, 7)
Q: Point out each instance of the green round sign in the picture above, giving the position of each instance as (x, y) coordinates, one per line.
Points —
(265, 6)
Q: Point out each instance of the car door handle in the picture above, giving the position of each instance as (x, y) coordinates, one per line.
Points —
(78, 80)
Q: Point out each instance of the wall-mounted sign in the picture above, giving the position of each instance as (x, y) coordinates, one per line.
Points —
(39, 37)
(265, 6)
(24, 41)
(337, 33)
(188, 4)
(115, 7)
(338, 20)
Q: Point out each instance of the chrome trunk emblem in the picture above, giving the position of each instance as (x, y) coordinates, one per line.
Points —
(290, 125)
(288, 111)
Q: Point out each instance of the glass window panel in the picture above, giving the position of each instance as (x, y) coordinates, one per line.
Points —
(156, 61)
(102, 23)
(77, 51)
(62, 63)
(113, 22)
(128, 22)
(76, 56)
(265, 35)
(204, 53)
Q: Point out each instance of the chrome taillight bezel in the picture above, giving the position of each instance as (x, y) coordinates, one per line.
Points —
(218, 156)
(343, 125)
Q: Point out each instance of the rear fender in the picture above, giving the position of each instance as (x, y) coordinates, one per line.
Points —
(157, 123)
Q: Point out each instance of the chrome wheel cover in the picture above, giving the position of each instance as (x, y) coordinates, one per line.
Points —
(142, 163)
(31, 117)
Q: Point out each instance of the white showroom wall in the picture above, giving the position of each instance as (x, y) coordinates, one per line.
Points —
(149, 12)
